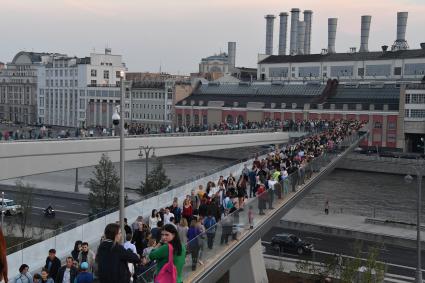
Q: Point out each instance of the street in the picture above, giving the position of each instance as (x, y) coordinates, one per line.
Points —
(399, 260)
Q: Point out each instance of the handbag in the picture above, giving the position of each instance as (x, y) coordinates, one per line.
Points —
(168, 273)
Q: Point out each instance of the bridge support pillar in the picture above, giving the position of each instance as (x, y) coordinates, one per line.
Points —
(250, 268)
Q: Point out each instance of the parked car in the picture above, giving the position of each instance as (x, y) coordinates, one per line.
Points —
(291, 244)
(10, 207)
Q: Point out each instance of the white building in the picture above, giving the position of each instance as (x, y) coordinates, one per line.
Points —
(407, 65)
(80, 92)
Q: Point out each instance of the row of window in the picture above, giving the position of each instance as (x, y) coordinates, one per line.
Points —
(415, 98)
(150, 116)
(61, 83)
(93, 73)
(62, 72)
(414, 113)
(390, 125)
(150, 95)
(149, 106)
(348, 71)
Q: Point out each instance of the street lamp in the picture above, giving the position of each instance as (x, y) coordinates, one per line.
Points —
(116, 118)
(145, 151)
(409, 179)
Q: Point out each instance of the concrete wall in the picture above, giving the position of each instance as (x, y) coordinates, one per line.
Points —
(19, 159)
(360, 162)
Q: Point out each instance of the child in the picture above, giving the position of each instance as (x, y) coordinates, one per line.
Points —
(84, 276)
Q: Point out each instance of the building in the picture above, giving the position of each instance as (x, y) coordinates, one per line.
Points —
(1, 66)
(379, 103)
(146, 76)
(80, 92)
(152, 102)
(18, 87)
(405, 65)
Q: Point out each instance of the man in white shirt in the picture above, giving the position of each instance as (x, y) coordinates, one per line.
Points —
(129, 245)
(167, 216)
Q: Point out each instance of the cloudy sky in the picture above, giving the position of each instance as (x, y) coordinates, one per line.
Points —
(176, 34)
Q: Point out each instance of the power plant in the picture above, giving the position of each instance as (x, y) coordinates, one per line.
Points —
(300, 34)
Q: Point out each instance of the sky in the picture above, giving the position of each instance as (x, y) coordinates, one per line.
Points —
(176, 34)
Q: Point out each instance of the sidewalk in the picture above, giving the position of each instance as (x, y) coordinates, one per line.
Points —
(346, 225)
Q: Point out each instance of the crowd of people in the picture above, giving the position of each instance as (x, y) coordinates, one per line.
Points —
(188, 228)
(43, 132)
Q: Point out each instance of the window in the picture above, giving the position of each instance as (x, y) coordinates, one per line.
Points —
(407, 99)
(106, 74)
(360, 72)
(93, 82)
(378, 125)
(93, 73)
(397, 71)
(118, 74)
(392, 125)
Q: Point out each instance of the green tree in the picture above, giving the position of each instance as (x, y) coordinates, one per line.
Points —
(157, 180)
(25, 198)
(105, 186)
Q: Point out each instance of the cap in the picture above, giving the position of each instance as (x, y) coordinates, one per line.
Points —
(84, 265)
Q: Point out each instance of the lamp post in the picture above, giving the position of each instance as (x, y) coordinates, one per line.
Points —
(418, 170)
(145, 151)
(116, 119)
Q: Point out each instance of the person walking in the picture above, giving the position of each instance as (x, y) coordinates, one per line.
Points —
(84, 276)
(76, 251)
(210, 226)
(68, 272)
(24, 276)
(52, 264)
(112, 259)
(193, 243)
(87, 255)
(169, 236)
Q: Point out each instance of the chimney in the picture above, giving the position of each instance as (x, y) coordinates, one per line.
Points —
(269, 34)
(384, 48)
(231, 50)
(400, 43)
(332, 24)
(308, 18)
(364, 38)
(283, 33)
(301, 37)
(295, 16)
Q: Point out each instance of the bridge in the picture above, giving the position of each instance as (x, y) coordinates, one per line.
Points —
(24, 158)
(242, 258)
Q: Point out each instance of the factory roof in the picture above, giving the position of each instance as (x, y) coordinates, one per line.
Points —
(357, 56)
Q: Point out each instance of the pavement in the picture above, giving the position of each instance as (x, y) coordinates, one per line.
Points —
(347, 222)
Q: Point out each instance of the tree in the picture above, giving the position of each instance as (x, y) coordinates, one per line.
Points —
(105, 186)
(157, 180)
(25, 200)
(347, 269)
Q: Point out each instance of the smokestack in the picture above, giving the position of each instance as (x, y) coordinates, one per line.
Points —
(308, 18)
(301, 37)
(364, 38)
(332, 24)
(401, 43)
(231, 50)
(282, 33)
(269, 34)
(295, 16)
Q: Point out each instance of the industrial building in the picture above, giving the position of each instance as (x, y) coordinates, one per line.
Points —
(386, 87)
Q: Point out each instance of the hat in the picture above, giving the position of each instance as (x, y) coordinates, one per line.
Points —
(84, 265)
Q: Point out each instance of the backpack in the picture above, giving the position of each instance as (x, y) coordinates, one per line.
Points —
(168, 273)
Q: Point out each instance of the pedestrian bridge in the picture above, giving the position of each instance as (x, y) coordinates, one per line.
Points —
(24, 158)
(241, 257)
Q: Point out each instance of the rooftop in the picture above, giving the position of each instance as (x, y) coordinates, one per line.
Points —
(357, 56)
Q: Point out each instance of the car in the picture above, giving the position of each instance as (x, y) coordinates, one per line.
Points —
(10, 207)
(291, 244)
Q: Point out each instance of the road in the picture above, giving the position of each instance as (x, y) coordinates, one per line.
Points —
(399, 260)
(67, 210)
